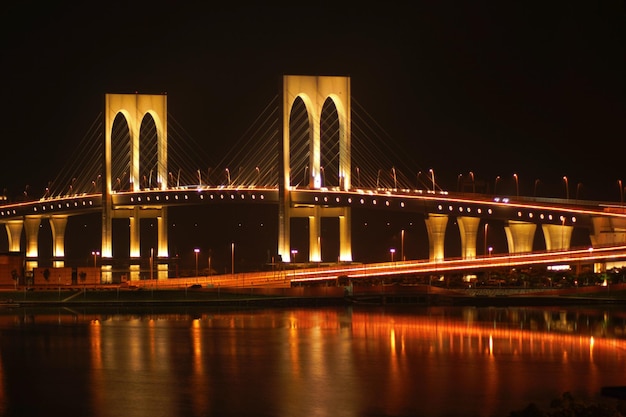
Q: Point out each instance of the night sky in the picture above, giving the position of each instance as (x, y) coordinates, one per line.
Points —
(495, 88)
(529, 88)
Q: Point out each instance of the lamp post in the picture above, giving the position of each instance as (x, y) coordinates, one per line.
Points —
(294, 252)
(495, 185)
(95, 255)
(402, 246)
(485, 242)
(621, 191)
(516, 184)
(432, 174)
(536, 184)
(232, 258)
(562, 233)
(566, 187)
(152, 264)
(473, 182)
(196, 251)
(392, 252)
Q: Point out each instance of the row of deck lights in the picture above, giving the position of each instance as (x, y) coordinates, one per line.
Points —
(200, 195)
(44, 207)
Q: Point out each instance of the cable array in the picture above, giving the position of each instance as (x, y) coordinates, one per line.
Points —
(377, 162)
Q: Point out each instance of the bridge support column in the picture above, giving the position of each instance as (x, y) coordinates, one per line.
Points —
(315, 215)
(608, 231)
(436, 227)
(135, 239)
(135, 272)
(14, 234)
(558, 237)
(57, 225)
(315, 237)
(345, 235)
(162, 250)
(520, 236)
(31, 226)
(468, 228)
(106, 247)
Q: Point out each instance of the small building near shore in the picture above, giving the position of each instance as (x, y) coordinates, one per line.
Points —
(11, 269)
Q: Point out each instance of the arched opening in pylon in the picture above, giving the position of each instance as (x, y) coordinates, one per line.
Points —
(299, 145)
(329, 144)
(120, 154)
(148, 154)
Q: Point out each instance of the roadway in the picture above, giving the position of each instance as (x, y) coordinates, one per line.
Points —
(289, 277)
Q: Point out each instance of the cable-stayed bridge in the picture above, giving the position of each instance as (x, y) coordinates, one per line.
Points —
(312, 152)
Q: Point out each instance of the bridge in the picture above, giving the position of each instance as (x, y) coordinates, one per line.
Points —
(306, 163)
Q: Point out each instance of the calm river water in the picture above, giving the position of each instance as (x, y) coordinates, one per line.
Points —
(330, 361)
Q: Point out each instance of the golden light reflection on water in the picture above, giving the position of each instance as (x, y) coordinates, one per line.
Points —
(294, 361)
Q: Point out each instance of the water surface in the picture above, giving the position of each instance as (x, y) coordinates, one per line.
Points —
(331, 361)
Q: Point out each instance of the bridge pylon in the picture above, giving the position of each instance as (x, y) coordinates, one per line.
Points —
(134, 108)
(314, 91)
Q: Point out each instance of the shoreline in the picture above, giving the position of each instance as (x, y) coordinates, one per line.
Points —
(421, 295)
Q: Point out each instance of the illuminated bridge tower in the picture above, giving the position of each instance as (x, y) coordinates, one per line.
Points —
(135, 109)
(315, 92)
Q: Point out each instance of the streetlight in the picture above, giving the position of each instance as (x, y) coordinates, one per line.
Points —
(196, 251)
(485, 242)
(621, 191)
(232, 258)
(402, 246)
(566, 187)
(490, 250)
(562, 233)
(536, 184)
(152, 263)
(95, 255)
(473, 182)
(432, 174)
(294, 252)
(495, 185)
(392, 252)
(516, 184)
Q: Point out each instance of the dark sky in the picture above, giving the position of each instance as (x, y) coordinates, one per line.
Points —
(496, 88)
